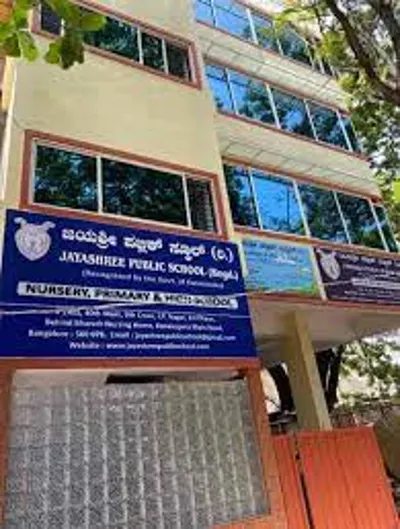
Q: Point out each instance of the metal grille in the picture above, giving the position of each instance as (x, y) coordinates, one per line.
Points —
(143, 456)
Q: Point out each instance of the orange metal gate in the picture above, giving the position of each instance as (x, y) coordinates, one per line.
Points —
(334, 480)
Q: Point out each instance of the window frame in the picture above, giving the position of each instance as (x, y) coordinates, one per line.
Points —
(194, 79)
(32, 140)
(308, 237)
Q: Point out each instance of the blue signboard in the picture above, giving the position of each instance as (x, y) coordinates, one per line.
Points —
(84, 289)
(279, 268)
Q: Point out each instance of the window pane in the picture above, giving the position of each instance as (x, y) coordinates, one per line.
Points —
(178, 61)
(49, 21)
(351, 133)
(277, 204)
(360, 221)
(233, 18)
(142, 192)
(240, 196)
(204, 11)
(65, 179)
(251, 98)
(386, 229)
(322, 213)
(116, 37)
(294, 46)
(292, 113)
(218, 83)
(201, 205)
(265, 32)
(327, 125)
(152, 51)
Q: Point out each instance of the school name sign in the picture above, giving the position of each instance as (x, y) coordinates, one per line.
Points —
(78, 288)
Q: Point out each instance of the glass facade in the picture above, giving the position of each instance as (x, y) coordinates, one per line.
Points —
(281, 204)
(68, 179)
(237, 93)
(131, 42)
(241, 21)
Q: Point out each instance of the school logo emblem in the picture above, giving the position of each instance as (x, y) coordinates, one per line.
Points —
(330, 265)
(33, 240)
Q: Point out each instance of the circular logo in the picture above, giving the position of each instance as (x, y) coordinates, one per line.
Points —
(32, 240)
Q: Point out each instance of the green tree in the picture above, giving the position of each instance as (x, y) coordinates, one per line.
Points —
(16, 39)
(375, 362)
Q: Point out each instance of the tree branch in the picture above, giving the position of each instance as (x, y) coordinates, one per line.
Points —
(384, 90)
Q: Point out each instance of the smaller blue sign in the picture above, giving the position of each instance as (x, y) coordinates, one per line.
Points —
(279, 268)
(76, 288)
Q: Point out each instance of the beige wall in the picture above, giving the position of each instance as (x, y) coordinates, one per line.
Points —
(113, 105)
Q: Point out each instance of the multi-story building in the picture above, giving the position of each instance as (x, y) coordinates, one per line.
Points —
(200, 120)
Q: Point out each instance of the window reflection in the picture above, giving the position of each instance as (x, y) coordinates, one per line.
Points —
(348, 125)
(49, 21)
(241, 197)
(116, 37)
(152, 51)
(201, 205)
(65, 179)
(386, 229)
(292, 113)
(178, 61)
(233, 18)
(265, 32)
(135, 191)
(322, 213)
(294, 46)
(218, 81)
(327, 125)
(360, 221)
(277, 204)
(204, 11)
(251, 98)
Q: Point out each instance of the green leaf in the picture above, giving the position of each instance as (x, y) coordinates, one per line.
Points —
(53, 55)
(25, 4)
(92, 21)
(20, 17)
(28, 46)
(71, 48)
(6, 30)
(11, 46)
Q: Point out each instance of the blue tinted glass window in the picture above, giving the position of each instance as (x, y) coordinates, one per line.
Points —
(49, 21)
(241, 197)
(204, 11)
(386, 229)
(233, 18)
(264, 29)
(322, 213)
(251, 98)
(277, 204)
(360, 221)
(218, 83)
(350, 133)
(327, 125)
(292, 113)
(294, 46)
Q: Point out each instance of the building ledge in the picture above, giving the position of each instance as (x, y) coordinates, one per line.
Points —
(272, 67)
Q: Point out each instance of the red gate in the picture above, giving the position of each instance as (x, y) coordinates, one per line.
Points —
(334, 480)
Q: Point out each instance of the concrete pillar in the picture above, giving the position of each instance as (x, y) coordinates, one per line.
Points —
(299, 356)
